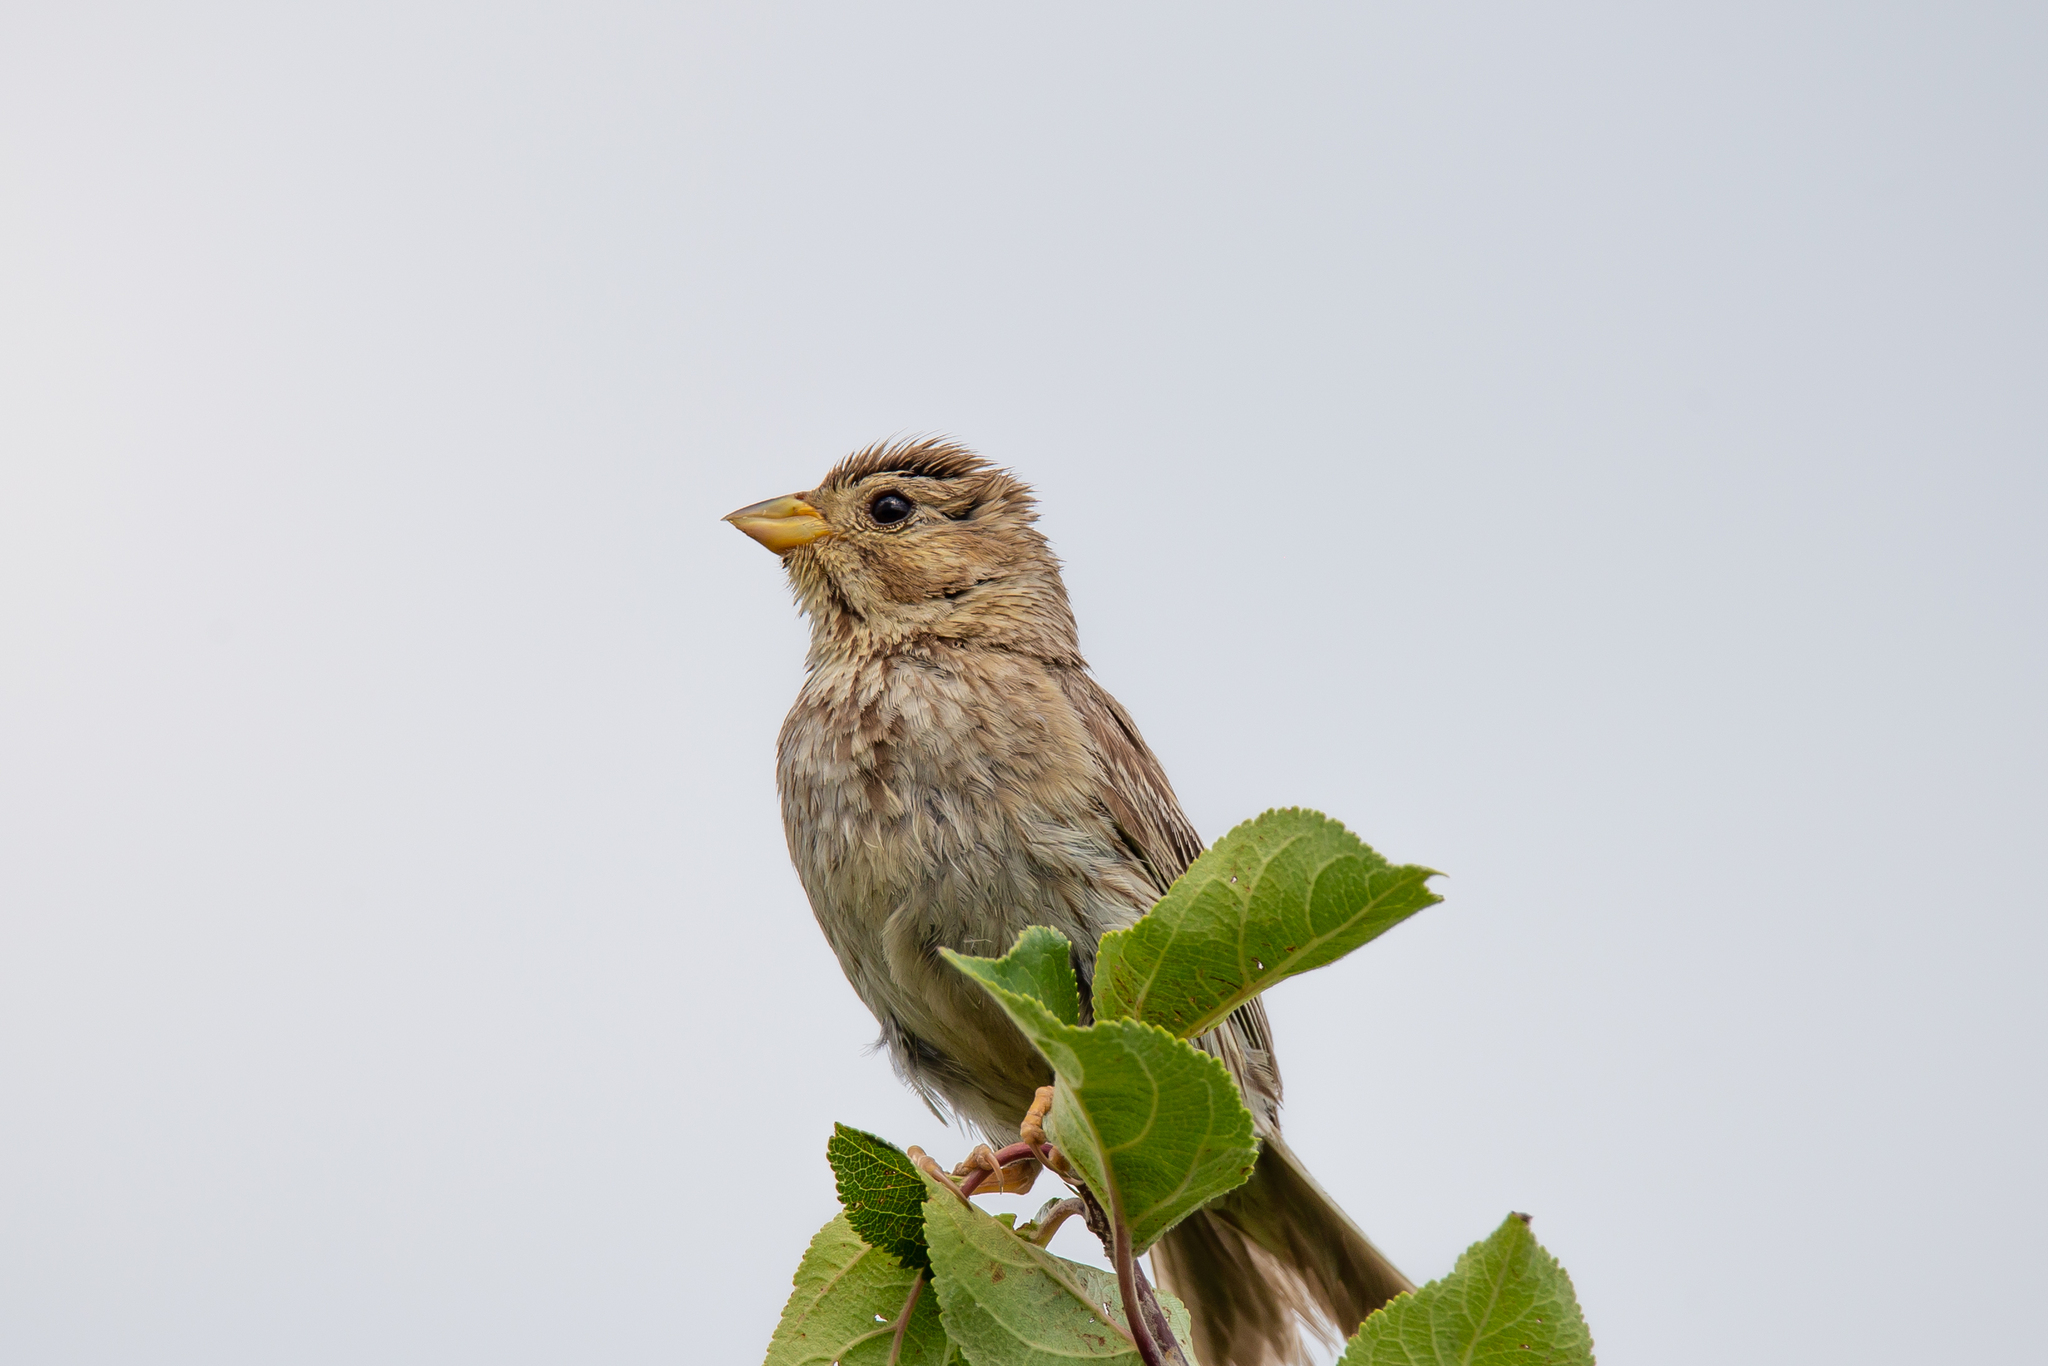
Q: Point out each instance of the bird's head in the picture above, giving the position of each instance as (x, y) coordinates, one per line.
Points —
(917, 541)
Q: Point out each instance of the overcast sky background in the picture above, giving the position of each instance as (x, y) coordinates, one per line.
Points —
(1593, 451)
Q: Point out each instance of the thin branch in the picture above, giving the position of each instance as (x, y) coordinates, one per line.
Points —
(1054, 1217)
(1150, 1331)
(1116, 1245)
(1155, 1317)
(903, 1319)
(1127, 1286)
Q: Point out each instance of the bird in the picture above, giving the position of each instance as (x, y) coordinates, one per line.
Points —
(951, 774)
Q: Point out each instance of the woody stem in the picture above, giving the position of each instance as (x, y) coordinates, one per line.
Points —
(1150, 1331)
(1060, 1213)
(903, 1319)
(1127, 1286)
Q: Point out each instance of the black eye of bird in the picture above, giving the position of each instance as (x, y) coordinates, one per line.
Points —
(889, 508)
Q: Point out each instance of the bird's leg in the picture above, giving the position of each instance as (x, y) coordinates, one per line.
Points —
(1016, 1168)
(1032, 1130)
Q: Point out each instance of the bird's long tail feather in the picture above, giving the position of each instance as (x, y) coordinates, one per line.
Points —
(1270, 1259)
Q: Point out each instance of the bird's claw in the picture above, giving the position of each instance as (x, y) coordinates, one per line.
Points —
(1014, 1179)
(1014, 1170)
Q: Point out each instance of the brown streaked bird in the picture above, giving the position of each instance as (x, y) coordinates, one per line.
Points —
(951, 774)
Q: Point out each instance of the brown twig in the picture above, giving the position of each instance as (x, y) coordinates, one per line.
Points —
(1127, 1286)
(903, 1319)
(1054, 1217)
(1155, 1318)
(1150, 1331)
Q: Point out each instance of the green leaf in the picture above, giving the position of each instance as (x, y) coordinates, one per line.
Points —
(1039, 965)
(1155, 1126)
(845, 1306)
(883, 1193)
(1008, 1302)
(1507, 1301)
(1286, 892)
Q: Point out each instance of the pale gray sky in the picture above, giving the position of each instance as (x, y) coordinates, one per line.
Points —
(1597, 451)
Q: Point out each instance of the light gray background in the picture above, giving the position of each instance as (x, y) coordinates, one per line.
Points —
(1596, 452)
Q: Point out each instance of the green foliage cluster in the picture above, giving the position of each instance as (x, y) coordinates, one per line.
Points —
(1154, 1124)
(912, 1274)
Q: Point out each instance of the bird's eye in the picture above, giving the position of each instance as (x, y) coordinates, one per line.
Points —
(890, 508)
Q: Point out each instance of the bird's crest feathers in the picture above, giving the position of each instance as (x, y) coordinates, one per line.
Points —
(925, 457)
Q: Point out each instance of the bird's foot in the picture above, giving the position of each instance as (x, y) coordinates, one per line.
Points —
(1010, 1172)
(929, 1165)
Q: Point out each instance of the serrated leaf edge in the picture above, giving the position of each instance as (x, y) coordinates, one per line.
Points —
(1220, 1014)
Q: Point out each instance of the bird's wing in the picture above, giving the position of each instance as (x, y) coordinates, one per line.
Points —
(1134, 785)
(1148, 815)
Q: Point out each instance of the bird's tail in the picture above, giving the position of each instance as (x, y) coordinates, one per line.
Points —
(1274, 1256)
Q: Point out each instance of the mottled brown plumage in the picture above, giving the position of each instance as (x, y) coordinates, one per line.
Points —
(950, 774)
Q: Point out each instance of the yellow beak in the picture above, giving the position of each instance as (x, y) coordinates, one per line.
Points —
(781, 524)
